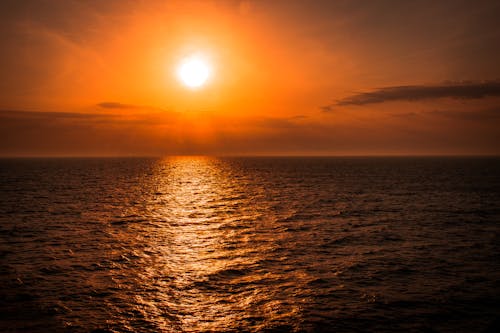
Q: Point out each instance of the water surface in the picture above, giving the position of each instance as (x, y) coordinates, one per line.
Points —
(198, 244)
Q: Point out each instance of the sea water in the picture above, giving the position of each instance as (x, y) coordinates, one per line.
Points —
(205, 244)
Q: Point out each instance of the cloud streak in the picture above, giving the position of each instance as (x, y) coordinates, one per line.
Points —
(116, 105)
(492, 115)
(468, 90)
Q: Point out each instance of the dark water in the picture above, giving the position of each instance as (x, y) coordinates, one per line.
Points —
(194, 244)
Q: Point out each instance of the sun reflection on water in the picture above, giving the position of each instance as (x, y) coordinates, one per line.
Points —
(212, 244)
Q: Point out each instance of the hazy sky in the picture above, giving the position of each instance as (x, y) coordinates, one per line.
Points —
(288, 77)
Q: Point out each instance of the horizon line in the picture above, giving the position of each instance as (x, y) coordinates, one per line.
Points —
(243, 155)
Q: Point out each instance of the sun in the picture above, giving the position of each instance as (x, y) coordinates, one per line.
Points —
(194, 71)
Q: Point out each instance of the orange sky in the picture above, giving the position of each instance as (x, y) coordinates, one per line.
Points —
(289, 78)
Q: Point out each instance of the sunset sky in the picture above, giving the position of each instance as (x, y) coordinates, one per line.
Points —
(98, 78)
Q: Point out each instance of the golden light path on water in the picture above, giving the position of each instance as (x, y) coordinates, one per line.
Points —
(212, 244)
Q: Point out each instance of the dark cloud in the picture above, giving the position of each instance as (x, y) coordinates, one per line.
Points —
(326, 108)
(469, 90)
(490, 116)
(487, 115)
(22, 115)
(115, 105)
(34, 119)
(33, 133)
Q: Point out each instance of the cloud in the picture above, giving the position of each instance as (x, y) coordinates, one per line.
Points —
(327, 108)
(491, 115)
(28, 133)
(23, 115)
(33, 133)
(486, 115)
(468, 90)
(115, 105)
(133, 108)
(35, 119)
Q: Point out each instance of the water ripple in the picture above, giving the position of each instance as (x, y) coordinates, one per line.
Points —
(199, 244)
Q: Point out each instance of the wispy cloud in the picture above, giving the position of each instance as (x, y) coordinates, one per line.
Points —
(327, 108)
(49, 115)
(42, 118)
(116, 105)
(464, 90)
(73, 133)
(491, 115)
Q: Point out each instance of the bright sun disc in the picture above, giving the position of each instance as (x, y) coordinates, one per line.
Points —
(194, 72)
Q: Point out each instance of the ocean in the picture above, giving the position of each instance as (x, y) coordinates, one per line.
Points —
(250, 244)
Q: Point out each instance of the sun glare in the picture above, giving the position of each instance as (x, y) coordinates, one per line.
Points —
(194, 72)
